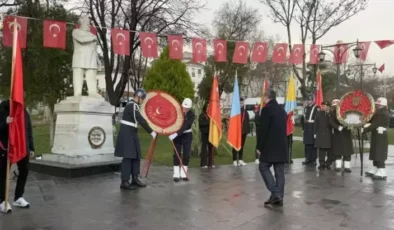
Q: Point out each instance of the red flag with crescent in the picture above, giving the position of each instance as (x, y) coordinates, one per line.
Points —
(384, 43)
(54, 34)
(241, 53)
(120, 41)
(199, 50)
(149, 45)
(175, 45)
(314, 54)
(93, 29)
(220, 47)
(340, 53)
(279, 54)
(364, 46)
(259, 52)
(8, 28)
(297, 54)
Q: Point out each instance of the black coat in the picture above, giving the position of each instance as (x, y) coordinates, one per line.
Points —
(128, 142)
(187, 122)
(4, 113)
(203, 123)
(322, 130)
(307, 123)
(272, 140)
(245, 121)
(342, 144)
(379, 141)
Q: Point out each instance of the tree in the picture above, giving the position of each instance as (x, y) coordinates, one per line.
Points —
(159, 16)
(169, 76)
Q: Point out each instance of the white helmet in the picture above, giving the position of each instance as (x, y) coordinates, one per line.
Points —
(381, 101)
(335, 102)
(187, 103)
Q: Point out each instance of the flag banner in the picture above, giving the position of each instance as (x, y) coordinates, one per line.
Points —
(314, 54)
(381, 68)
(364, 46)
(9, 22)
(220, 48)
(214, 114)
(149, 46)
(120, 41)
(290, 104)
(340, 54)
(297, 54)
(259, 52)
(175, 46)
(199, 50)
(319, 89)
(241, 53)
(279, 54)
(384, 43)
(234, 134)
(54, 34)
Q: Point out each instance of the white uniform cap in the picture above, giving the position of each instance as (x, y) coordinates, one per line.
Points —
(381, 101)
(335, 102)
(187, 103)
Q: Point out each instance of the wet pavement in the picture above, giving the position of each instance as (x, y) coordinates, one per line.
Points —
(222, 198)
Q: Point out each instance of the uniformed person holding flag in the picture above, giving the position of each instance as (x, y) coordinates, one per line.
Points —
(128, 142)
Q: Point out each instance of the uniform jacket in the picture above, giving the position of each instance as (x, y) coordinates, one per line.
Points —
(342, 144)
(127, 142)
(203, 122)
(307, 123)
(322, 130)
(272, 139)
(187, 123)
(379, 141)
(245, 121)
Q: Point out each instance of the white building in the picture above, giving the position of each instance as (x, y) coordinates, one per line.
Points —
(195, 70)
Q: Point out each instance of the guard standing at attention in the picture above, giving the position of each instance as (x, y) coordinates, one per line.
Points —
(323, 136)
(307, 123)
(128, 142)
(183, 141)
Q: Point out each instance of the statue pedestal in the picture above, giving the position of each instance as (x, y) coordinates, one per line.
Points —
(83, 135)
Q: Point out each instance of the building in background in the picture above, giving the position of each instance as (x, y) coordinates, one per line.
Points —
(195, 70)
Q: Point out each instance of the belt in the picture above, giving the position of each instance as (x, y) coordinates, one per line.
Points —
(129, 123)
(310, 121)
(187, 131)
(381, 130)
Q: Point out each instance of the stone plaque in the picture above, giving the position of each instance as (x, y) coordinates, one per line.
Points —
(96, 137)
(66, 128)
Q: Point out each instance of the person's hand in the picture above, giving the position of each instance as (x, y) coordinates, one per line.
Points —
(153, 134)
(172, 136)
(362, 130)
(31, 154)
(314, 136)
(340, 128)
(9, 120)
(258, 152)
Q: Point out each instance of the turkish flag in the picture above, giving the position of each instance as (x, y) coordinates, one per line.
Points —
(8, 28)
(297, 54)
(149, 44)
(384, 43)
(279, 54)
(120, 41)
(364, 50)
(340, 54)
(199, 50)
(54, 34)
(175, 45)
(220, 48)
(241, 52)
(93, 29)
(381, 68)
(259, 52)
(319, 91)
(314, 54)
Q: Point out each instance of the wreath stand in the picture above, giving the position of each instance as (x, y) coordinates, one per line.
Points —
(361, 150)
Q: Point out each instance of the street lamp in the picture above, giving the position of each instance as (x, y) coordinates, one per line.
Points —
(374, 69)
(362, 70)
(348, 72)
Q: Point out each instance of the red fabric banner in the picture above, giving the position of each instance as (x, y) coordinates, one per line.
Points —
(340, 54)
(381, 68)
(120, 41)
(149, 45)
(199, 50)
(241, 53)
(314, 54)
(364, 46)
(8, 28)
(384, 43)
(259, 52)
(279, 54)
(175, 46)
(54, 34)
(319, 89)
(220, 47)
(297, 54)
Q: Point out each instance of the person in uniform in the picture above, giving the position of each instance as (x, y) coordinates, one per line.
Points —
(206, 147)
(379, 139)
(128, 143)
(342, 144)
(323, 136)
(307, 123)
(238, 155)
(183, 141)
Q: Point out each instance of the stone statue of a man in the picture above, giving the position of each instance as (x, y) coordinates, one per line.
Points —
(85, 59)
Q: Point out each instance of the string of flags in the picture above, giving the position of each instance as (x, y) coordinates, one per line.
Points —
(54, 36)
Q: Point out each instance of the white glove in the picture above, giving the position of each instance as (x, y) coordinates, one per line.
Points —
(153, 134)
(314, 136)
(172, 136)
(9, 120)
(362, 130)
(367, 125)
(340, 128)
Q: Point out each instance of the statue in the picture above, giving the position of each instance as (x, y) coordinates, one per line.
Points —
(85, 58)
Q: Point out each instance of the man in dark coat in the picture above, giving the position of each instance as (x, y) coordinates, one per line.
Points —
(238, 155)
(342, 144)
(206, 147)
(128, 142)
(257, 124)
(307, 123)
(272, 147)
(379, 139)
(323, 136)
(23, 165)
(183, 141)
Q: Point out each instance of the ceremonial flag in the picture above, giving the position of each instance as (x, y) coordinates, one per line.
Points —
(384, 43)
(259, 52)
(241, 53)
(340, 54)
(234, 134)
(364, 46)
(297, 54)
(54, 34)
(11, 22)
(319, 89)
(175, 46)
(214, 114)
(149, 45)
(314, 54)
(279, 54)
(220, 48)
(17, 129)
(93, 29)
(265, 87)
(120, 41)
(381, 68)
(290, 104)
(199, 50)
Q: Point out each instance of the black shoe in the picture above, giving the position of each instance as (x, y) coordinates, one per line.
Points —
(306, 162)
(185, 179)
(137, 182)
(176, 179)
(321, 167)
(348, 170)
(291, 162)
(268, 202)
(126, 186)
(312, 163)
(277, 202)
(328, 166)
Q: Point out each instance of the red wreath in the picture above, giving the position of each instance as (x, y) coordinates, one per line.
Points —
(355, 103)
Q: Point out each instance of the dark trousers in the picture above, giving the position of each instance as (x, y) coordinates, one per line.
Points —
(240, 153)
(275, 186)
(310, 153)
(129, 167)
(206, 151)
(183, 145)
(345, 158)
(23, 168)
(290, 146)
(325, 156)
(257, 139)
(379, 164)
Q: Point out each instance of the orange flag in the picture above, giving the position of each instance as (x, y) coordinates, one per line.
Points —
(214, 114)
(319, 90)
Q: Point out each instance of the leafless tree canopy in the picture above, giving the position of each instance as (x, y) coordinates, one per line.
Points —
(5, 3)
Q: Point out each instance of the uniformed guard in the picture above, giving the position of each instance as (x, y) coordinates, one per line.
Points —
(379, 139)
(323, 136)
(128, 143)
(342, 147)
(307, 123)
(183, 141)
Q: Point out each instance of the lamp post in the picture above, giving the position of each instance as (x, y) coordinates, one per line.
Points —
(339, 56)
(362, 70)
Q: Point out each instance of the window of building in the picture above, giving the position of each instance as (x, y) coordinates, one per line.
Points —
(199, 72)
(193, 72)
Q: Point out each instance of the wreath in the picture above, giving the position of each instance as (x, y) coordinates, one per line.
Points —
(355, 109)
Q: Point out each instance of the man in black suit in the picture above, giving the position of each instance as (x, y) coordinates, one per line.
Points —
(272, 147)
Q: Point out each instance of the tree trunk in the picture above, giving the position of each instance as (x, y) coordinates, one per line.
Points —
(52, 121)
